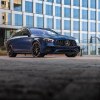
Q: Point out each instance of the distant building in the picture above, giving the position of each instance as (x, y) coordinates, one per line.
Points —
(78, 18)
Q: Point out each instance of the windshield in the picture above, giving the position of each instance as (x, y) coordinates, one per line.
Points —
(40, 32)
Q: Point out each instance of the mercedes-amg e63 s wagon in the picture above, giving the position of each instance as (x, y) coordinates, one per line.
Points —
(40, 42)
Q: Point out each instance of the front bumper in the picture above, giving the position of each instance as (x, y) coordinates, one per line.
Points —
(62, 50)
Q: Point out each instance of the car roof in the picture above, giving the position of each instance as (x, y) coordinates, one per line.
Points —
(41, 29)
(36, 28)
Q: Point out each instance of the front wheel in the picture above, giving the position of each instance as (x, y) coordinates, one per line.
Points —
(36, 52)
(71, 55)
(11, 52)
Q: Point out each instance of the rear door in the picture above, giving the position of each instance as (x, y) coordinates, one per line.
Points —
(16, 41)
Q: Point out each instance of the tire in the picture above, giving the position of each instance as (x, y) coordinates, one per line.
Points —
(36, 50)
(11, 52)
(71, 55)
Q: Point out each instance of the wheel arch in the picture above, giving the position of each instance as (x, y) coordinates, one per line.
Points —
(39, 40)
(35, 41)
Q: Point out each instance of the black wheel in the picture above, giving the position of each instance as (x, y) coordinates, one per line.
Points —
(11, 52)
(36, 50)
(71, 55)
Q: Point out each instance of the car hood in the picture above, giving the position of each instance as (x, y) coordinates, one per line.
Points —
(60, 37)
(56, 37)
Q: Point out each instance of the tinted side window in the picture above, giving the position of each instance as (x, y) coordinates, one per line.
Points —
(17, 34)
(25, 32)
(13, 35)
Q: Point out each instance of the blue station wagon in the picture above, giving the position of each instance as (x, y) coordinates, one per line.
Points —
(40, 42)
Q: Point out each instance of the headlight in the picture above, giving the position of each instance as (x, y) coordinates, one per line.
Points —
(76, 40)
(48, 40)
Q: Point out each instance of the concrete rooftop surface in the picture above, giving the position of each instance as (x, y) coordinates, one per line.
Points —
(54, 77)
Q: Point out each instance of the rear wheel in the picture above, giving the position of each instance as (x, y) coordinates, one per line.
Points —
(36, 52)
(71, 55)
(11, 52)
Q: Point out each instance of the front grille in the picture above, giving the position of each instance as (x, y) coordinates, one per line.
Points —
(60, 42)
(65, 43)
